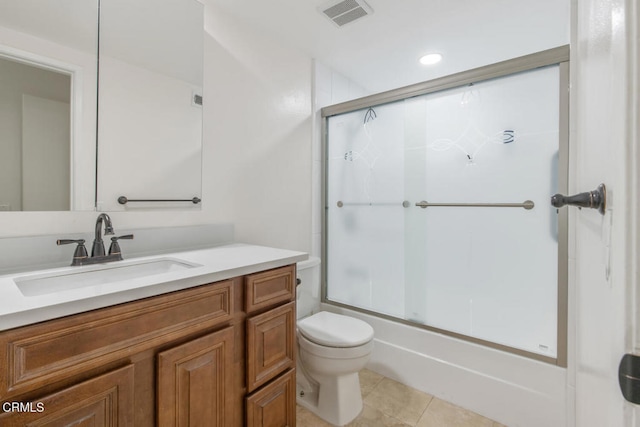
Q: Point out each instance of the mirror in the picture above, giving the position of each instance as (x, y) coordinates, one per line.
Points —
(48, 63)
(135, 131)
(150, 93)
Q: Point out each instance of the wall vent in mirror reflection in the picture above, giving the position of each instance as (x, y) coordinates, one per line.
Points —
(197, 100)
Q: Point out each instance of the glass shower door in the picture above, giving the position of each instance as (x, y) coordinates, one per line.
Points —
(485, 264)
(437, 210)
(365, 245)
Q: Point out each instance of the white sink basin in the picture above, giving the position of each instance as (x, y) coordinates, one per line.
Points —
(103, 274)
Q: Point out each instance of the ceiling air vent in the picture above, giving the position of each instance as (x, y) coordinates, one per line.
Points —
(343, 12)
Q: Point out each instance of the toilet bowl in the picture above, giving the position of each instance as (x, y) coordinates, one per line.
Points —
(332, 349)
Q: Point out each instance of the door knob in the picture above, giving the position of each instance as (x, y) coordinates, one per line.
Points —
(628, 372)
(596, 199)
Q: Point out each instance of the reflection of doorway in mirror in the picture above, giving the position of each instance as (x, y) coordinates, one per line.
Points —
(35, 134)
(45, 154)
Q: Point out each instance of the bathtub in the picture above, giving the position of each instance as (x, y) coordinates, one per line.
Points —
(510, 389)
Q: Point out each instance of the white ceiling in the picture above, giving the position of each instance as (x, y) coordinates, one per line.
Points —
(381, 51)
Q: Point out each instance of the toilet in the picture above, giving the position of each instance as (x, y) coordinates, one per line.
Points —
(332, 349)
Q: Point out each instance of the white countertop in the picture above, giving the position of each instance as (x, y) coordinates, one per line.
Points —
(211, 265)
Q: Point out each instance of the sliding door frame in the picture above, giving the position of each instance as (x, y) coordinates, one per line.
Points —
(556, 56)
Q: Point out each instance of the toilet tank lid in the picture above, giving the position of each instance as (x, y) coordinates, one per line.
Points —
(335, 330)
(312, 261)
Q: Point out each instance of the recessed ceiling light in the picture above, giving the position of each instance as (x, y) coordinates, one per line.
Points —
(430, 59)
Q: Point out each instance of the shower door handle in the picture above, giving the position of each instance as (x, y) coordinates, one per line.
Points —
(527, 204)
(596, 199)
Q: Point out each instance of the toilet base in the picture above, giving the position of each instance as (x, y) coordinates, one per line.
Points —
(337, 400)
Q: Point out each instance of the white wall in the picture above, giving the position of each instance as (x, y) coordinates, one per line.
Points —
(258, 117)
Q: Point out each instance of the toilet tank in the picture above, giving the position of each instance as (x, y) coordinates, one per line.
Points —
(308, 292)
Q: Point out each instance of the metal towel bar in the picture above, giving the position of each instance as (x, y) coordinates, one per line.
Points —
(123, 200)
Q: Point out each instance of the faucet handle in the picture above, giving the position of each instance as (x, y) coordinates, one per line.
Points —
(69, 241)
(114, 249)
(80, 253)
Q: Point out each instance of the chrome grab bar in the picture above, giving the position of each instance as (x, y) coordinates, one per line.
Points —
(527, 204)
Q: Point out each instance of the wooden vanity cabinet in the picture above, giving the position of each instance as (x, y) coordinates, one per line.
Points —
(59, 362)
(271, 348)
(177, 359)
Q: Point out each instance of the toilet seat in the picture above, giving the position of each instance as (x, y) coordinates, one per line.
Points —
(335, 330)
(325, 352)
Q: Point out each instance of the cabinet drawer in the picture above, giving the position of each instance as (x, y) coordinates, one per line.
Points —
(270, 345)
(269, 288)
(274, 404)
(51, 351)
(106, 401)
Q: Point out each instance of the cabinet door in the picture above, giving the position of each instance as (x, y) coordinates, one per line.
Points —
(104, 401)
(274, 405)
(194, 381)
(270, 344)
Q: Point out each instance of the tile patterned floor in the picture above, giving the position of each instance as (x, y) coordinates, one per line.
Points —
(388, 403)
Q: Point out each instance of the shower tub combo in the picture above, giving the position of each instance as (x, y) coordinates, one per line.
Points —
(439, 232)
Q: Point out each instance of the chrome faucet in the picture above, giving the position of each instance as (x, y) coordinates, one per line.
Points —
(80, 257)
(98, 244)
